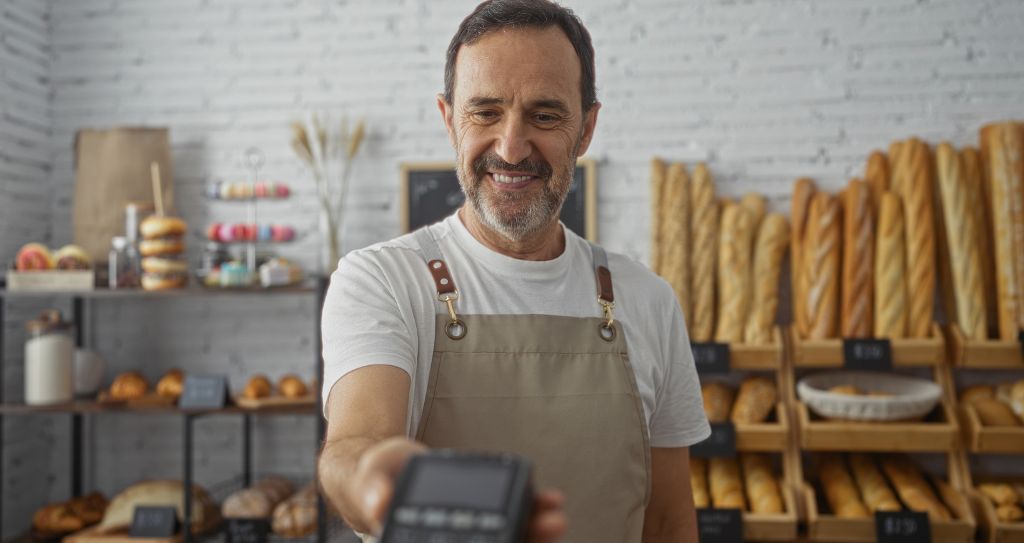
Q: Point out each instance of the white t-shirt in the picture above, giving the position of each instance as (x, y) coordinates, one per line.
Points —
(381, 305)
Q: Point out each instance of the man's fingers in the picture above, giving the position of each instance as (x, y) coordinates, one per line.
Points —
(376, 475)
(549, 521)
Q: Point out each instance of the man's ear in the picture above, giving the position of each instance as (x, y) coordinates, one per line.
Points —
(447, 115)
(589, 124)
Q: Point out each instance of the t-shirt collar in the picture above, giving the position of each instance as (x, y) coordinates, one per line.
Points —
(506, 265)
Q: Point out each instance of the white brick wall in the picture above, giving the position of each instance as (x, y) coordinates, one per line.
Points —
(764, 90)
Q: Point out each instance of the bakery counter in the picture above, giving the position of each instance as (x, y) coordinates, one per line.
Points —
(906, 352)
(983, 353)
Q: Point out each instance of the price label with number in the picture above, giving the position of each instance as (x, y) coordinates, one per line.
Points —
(710, 357)
(721, 443)
(867, 354)
(204, 392)
(247, 530)
(154, 521)
(902, 527)
(720, 525)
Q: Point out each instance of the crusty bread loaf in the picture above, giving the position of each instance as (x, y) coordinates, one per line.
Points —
(840, 491)
(803, 192)
(873, 489)
(704, 237)
(296, 516)
(659, 177)
(964, 241)
(762, 487)
(857, 318)
(717, 401)
(876, 174)
(755, 401)
(890, 273)
(757, 206)
(675, 237)
(977, 392)
(770, 247)
(734, 273)
(258, 500)
(821, 266)
(980, 201)
(699, 482)
(912, 488)
(725, 483)
(999, 493)
(915, 191)
(994, 412)
(1002, 147)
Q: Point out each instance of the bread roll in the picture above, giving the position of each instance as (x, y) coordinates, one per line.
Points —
(800, 206)
(290, 386)
(699, 482)
(659, 177)
(734, 273)
(770, 247)
(977, 392)
(1009, 513)
(873, 489)
(994, 413)
(704, 236)
(999, 493)
(762, 487)
(1002, 147)
(915, 191)
(129, 385)
(857, 318)
(726, 488)
(259, 500)
(717, 401)
(171, 384)
(912, 488)
(675, 236)
(840, 491)
(56, 518)
(890, 271)
(876, 174)
(755, 401)
(757, 206)
(1016, 400)
(296, 516)
(821, 267)
(258, 387)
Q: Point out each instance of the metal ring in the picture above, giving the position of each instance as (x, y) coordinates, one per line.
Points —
(455, 329)
(607, 331)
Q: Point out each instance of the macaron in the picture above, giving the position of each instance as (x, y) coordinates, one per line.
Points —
(282, 190)
(261, 190)
(213, 231)
(225, 233)
(265, 233)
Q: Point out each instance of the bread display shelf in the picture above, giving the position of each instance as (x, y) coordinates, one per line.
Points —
(769, 436)
(195, 290)
(828, 353)
(92, 535)
(783, 526)
(86, 407)
(744, 356)
(995, 530)
(48, 281)
(983, 353)
(981, 438)
(938, 432)
(276, 401)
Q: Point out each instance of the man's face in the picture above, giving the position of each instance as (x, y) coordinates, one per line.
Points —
(517, 126)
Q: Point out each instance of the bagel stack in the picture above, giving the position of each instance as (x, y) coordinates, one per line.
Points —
(162, 246)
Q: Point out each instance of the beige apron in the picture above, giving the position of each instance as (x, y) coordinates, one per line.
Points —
(559, 391)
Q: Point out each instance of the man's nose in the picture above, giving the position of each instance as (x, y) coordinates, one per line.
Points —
(513, 145)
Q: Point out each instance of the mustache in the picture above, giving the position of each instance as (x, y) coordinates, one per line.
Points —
(491, 161)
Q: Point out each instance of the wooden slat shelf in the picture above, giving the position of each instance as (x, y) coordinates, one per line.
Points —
(190, 291)
(834, 435)
(828, 353)
(994, 354)
(758, 357)
(89, 407)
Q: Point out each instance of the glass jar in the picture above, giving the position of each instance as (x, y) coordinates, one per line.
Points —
(49, 360)
(122, 264)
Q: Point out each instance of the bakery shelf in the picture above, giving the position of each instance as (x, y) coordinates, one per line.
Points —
(938, 432)
(192, 290)
(90, 407)
(981, 438)
(993, 529)
(828, 353)
(744, 356)
(983, 354)
(771, 435)
(783, 526)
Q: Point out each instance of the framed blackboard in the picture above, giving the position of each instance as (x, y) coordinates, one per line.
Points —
(430, 192)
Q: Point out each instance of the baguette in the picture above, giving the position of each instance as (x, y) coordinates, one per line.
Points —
(772, 240)
(858, 270)
(840, 492)
(659, 175)
(757, 206)
(675, 236)
(877, 176)
(704, 236)
(964, 241)
(980, 201)
(725, 484)
(899, 166)
(915, 191)
(873, 488)
(821, 267)
(890, 274)
(755, 401)
(762, 488)
(699, 482)
(1003, 153)
(912, 488)
(734, 270)
(803, 193)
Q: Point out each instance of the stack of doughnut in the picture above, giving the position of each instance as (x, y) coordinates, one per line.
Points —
(161, 248)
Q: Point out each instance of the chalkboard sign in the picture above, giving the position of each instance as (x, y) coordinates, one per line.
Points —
(154, 521)
(710, 357)
(902, 527)
(431, 192)
(867, 354)
(720, 525)
(204, 392)
(721, 442)
(247, 530)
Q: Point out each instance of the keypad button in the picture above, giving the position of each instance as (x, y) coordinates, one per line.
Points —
(490, 521)
(407, 515)
(462, 520)
(442, 537)
(480, 538)
(402, 535)
(434, 518)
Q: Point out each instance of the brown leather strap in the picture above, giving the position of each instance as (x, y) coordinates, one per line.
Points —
(604, 284)
(442, 279)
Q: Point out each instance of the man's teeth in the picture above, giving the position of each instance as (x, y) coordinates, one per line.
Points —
(510, 179)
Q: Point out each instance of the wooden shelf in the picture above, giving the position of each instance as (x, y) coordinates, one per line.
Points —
(90, 407)
(768, 436)
(828, 353)
(840, 435)
(757, 357)
(190, 291)
(980, 438)
(995, 354)
(995, 530)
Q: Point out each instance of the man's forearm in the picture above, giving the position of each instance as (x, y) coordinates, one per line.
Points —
(336, 468)
(681, 528)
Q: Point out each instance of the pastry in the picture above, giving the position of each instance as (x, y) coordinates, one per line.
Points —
(999, 493)
(155, 282)
(72, 257)
(849, 390)
(822, 254)
(980, 201)
(912, 488)
(259, 500)
(704, 244)
(717, 401)
(755, 401)
(161, 247)
(734, 269)
(675, 236)
(1016, 399)
(171, 384)
(857, 319)
(803, 192)
(915, 192)
(994, 413)
(160, 492)
(725, 484)
(258, 387)
(296, 516)
(33, 257)
(977, 392)
(890, 270)
(290, 386)
(162, 226)
(129, 385)
(876, 174)
(57, 518)
(840, 491)
(1009, 513)
(90, 508)
(1002, 146)
(762, 488)
(757, 206)
(873, 489)
(699, 482)
(772, 240)
(659, 175)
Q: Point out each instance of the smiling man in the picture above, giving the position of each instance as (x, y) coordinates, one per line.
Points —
(498, 329)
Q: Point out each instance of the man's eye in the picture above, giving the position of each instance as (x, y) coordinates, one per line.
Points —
(545, 118)
(485, 115)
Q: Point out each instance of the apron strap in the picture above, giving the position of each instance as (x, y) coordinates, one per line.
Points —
(446, 291)
(605, 293)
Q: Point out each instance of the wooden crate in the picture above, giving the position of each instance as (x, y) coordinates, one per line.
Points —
(51, 281)
(989, 439)
(828, 353)
(765, 436)
(824, 526)
(983, 354)
(834, 435)
(757, 357)
(995, 530)
(781, 527)
(92, 535)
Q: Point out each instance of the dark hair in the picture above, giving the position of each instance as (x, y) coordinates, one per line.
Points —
(496, 14)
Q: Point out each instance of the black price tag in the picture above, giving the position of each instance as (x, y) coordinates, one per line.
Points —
(902, 527)
(710, 357)
(720, 525)
(154, 521)
(247, 530)
(867, 354)
(721, 443)
(204, 392)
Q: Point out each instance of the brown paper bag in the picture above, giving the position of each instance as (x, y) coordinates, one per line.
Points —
(112, 168)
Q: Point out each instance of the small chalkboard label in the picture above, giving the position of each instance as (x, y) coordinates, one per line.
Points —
(902, 527)
(204, 392)
(720, 525)
(247, 530)
(154, 521)
(710, 357)
(867, 354)
(721, 443)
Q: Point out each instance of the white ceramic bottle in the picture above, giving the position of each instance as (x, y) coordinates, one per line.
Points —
(49, 359)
